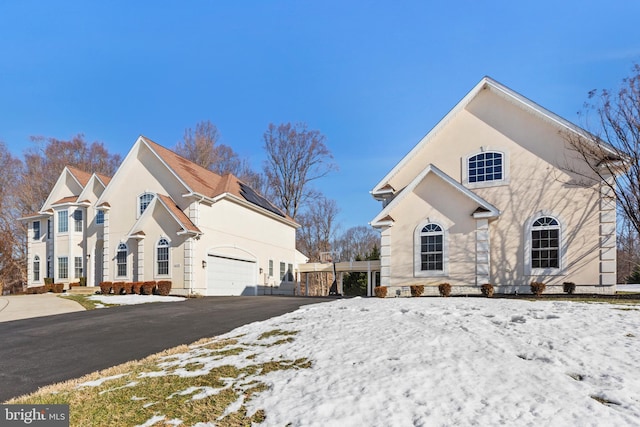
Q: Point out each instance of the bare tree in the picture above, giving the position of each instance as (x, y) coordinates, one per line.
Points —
(296, 156)
(201, 146)
(357, 242)
(611, 149)
(11, 244)
(318, 228)
(46, 159)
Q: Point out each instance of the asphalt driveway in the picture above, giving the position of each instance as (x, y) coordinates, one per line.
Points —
(45, 350)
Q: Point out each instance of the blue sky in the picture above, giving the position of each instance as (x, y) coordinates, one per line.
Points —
(374, 77)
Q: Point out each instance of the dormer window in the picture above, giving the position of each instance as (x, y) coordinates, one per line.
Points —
(143, 201)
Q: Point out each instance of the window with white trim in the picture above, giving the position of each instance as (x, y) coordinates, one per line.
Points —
(100, 217)
(36, 230)
(486, 166)
(36, 268)
(270, 268)
(290, 272)
(545, 243)
(78, 267)
(283, 271)
(162, 257)
(143, 201)
(63, 221)
(63, 267)
(121, 260)
(77, 219)
(48, 229)
(432, 248)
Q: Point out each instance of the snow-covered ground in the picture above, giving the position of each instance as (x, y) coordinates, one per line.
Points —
(133, 299)
(454, 361)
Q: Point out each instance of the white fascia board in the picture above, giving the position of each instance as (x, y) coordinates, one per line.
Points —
(107, 189)
(493, 211)
(429, 136)
(58, 183)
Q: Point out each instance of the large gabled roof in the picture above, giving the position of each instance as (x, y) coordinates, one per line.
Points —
(382, 188)
(172, 209)
(484, 210)
(199, 180)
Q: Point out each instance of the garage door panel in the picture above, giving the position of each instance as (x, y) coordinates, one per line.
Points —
(229, 276)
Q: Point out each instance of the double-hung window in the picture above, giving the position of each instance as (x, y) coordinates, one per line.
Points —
(78, 267)
(283, 271)
(100, 217)
(121, 260)
(162, 257)
(77, 219)
(63, 221)
(432, 248)
(36, 268)
(36, 230)
(63, 267)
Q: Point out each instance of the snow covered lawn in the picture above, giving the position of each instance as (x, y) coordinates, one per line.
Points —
(387, 362)
(133, 299)
(456, 361)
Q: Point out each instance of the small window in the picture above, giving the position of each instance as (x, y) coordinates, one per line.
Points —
(545, 243)
(63, 267)
(36, 230)
(77, 219)
(162, 255)
(485, 167)
(36, 268)
(143, 202)
(121, 260)
(78, 267)
(270, 268)
(48, 229)
(100, 217)
(432, 248)
(290, 273)
(283, 271)
(63, 221)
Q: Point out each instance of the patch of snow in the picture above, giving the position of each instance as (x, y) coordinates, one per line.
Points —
(151, 421)
(101, 381)
(133, 299)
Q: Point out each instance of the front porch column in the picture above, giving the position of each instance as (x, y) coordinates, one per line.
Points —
(140, 271)
(482, 252)
(188, 265)
(106, 255)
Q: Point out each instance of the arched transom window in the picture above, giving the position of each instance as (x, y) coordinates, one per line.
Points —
(486, 166)
(545, 243)
(121, 260)
(432, 248)
(36, 268)
(162, 257)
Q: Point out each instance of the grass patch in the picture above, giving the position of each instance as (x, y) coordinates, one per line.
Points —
(208, 381)
(87, 303)
(604, 400)
(276, 332)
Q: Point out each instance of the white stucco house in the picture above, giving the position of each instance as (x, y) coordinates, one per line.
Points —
(494, 194)
(162, 217)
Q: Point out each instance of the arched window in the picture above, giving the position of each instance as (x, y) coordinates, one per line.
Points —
(432, 248)
(485, 167)
(545, 243)
(143, 201)
(162, 257)
(121, 260)
(36, 268)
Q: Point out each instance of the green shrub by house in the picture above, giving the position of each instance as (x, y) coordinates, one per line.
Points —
(444, 289)
(487, 290)
(417, 290)
(537, 288)
(380, 291)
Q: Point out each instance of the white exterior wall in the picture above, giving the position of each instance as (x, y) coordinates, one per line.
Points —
(537, 182)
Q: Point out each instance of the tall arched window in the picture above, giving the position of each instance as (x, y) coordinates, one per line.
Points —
(36, 268)
(121, 260)
(545, 243)
(162, 257)
(143, 201)
(432, 248)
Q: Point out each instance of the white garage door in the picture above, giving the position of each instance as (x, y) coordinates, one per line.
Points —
(230, 276)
